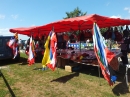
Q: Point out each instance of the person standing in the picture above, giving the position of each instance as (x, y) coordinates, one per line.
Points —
(20, 44)
(25, 44)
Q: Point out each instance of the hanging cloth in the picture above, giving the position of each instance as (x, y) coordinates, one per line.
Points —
(113, 35)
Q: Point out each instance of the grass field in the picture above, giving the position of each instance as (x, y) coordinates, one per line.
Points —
(21, 80)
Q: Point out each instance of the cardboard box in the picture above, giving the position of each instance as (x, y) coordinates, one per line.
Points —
(68, 68)
(71, 68)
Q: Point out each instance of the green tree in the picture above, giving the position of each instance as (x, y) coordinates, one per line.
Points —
(103, 30)
(75, 13)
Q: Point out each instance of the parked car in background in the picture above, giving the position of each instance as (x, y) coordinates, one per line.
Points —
(5, 51)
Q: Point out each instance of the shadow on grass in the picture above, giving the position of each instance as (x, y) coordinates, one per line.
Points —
(23, 61)
(120, 89)
(94, 71)
(66, 78)
(121, 74)
(91, 70)
(7, 62)
(37, 68)
(7, 84)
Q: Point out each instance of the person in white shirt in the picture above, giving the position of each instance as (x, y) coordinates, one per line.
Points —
(87, 43)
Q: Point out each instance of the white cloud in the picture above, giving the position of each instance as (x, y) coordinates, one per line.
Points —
(127, 9)
(5, 32)
(2, 16)
(14, 16)
(114, 16)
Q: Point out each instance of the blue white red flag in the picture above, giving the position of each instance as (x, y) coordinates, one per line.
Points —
(15, 52)
(31, 59)
(103, 54)
(53, 47)
(13, 44)
(49, 58)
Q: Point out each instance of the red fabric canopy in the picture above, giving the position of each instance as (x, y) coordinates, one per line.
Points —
(73, 24)
(25, 30)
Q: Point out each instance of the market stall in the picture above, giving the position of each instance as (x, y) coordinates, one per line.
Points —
(73, 24)
(76, 24)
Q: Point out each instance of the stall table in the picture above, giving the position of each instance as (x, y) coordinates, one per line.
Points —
(65, 56)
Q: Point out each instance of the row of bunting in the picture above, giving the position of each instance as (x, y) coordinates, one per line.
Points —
(106, 59)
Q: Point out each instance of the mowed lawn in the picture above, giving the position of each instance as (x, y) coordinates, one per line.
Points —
(17, 79)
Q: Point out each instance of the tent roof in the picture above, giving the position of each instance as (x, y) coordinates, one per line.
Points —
(73, 24)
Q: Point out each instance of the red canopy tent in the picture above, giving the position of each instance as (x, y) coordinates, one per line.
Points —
(26, 30)
(77, 23)
(73, 24)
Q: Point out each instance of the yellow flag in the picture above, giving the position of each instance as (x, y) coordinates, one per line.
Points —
(46, 57)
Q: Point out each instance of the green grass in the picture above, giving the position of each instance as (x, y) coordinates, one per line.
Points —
(24, 81)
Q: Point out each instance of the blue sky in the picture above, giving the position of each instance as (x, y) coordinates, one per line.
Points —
(26, 13)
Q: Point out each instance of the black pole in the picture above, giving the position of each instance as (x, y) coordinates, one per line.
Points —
(99, 74)
(79, 38)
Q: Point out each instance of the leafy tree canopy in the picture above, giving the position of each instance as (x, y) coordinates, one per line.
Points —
(75, 13)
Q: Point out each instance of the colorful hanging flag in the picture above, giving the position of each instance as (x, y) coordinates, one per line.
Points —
(15, 51)
(31, 59)
(53, 47)
(46, 57)
(13, 44)
(49, 58)
(102, 53)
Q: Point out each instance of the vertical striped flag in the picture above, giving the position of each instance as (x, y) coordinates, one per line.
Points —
(31, 59)
(104, 55)
(15, 46)
(15, 51)
(53, 46)
(11, 42)
(49, 58)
